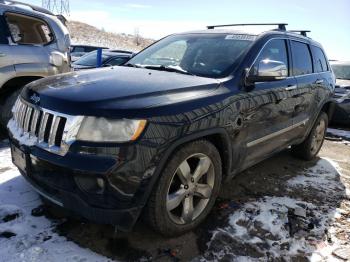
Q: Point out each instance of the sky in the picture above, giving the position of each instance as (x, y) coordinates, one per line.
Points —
(329, 20)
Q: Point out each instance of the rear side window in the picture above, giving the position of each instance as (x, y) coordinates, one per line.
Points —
(28, 30)
(302, 62)
(320, 60)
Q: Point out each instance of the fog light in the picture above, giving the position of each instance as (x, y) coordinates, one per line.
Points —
(90, 184)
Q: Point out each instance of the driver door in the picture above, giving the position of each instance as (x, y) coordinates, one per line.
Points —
(269, 119)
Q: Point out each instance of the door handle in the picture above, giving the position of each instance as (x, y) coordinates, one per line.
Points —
(319, 81)
(290, 88)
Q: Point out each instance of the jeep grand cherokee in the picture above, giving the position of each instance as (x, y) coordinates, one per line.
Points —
(161, 133)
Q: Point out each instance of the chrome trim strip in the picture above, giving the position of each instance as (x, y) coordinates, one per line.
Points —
(34, 121)
(47, 196)
(43, 127)
(27, 119)
(52, 137)
(280, 132)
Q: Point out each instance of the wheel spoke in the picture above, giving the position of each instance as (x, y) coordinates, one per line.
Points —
(187, 210)
(202, 168)
(203, 191)
(175, 199)
(184, 172)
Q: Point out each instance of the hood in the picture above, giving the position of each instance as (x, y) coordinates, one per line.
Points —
(123, 92)
(344, 83)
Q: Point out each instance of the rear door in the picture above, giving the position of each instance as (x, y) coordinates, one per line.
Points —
(269, 120)
(324, 83)
(305, 101)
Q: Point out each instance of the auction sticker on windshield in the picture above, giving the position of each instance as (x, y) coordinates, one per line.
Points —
(240, 37)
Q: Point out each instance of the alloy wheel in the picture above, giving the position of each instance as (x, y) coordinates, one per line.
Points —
(190, 189)
(318, 136)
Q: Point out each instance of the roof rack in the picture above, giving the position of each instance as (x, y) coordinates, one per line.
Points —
(302, 32)
(281, 26)
(34, 7)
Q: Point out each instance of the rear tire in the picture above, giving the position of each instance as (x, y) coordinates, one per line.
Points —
(186, 190)
(309, 149)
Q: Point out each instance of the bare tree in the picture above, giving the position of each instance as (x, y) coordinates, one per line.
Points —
(137, 36)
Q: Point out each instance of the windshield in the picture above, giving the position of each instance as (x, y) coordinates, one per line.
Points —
(90, 59)
(208, 55)
(341, 71)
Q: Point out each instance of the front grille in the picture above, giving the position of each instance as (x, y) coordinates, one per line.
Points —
(46, 126)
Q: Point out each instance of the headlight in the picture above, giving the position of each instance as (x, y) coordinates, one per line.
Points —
(99, 129)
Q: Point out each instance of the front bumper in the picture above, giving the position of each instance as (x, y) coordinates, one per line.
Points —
(55, 178)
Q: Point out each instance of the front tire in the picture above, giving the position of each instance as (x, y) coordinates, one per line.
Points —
(309, 149)
(186, 190)
(6, 109)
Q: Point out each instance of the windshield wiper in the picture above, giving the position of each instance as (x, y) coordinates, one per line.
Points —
(176, 69)
(133, 65)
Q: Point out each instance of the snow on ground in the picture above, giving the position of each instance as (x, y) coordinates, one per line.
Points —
(273, 227)
(24, 237)
(305, 215)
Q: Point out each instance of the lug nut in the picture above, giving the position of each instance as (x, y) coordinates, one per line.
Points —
(192, 180)
(186, 186)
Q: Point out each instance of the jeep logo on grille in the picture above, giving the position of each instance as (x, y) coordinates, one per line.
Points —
(35, 98)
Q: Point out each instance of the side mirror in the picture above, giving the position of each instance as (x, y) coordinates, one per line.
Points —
(267, 71)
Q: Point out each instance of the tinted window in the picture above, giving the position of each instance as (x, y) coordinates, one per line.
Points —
(209, 55)
(320, 60)
(302, 62)
(78, 49)
(117, 61)
(3, 30)
(28, 30)
(275, 50)
(90, 59)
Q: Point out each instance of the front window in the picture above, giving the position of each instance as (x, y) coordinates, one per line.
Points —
(208, 55)
(342, 71)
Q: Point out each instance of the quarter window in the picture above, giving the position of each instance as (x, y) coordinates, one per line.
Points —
(275, 50)
(28, 30)
(321, 64)
(302, 62)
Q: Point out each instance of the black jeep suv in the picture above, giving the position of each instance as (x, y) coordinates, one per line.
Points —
(160, 134)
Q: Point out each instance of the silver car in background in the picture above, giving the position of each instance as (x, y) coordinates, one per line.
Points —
(34, 43)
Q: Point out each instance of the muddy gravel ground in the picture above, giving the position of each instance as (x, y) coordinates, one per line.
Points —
(282, 209)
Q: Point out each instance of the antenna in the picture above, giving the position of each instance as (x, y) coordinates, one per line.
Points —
(61, 7)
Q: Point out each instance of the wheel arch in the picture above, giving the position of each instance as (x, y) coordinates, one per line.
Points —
(17, 82)
(328, 107)
(217, 136)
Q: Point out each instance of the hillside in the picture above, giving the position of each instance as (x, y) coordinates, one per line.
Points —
(82, 33)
